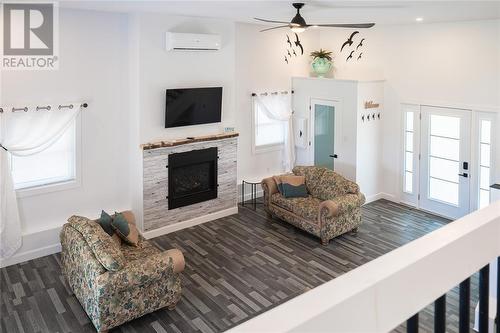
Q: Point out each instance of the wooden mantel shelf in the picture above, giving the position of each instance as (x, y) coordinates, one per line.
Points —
(178, 142)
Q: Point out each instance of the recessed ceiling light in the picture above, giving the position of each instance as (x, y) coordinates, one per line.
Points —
(419, 19)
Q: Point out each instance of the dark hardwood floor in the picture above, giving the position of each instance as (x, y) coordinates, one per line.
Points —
(237, 267)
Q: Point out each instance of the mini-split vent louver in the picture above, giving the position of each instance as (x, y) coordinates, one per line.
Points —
(192, 42)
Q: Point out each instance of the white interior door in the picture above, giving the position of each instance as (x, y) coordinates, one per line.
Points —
(445, 161)
(325, 133)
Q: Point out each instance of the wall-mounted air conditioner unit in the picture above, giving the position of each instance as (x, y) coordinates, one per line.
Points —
(192, 42)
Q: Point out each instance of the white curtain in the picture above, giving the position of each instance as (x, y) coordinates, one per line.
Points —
(22, 134)
(278, 107)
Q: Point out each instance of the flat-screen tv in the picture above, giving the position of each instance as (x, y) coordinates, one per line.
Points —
(193, 106)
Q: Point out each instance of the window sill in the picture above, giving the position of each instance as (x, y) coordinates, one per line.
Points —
(267, 148)
(49, 188)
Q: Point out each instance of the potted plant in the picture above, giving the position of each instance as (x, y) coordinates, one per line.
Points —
(322, 62)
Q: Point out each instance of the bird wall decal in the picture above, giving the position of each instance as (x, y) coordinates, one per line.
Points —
(297, 43)
(295, 54)
(350, 56)
(289, 54)
(359, 57)
(360, 44)
(288, 41)
(349, 41)
(286, 60)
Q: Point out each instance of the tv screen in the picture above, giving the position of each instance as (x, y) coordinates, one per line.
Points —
(193, 106)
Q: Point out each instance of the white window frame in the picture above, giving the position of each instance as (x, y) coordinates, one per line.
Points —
(478, 116)
(261, 148)
(411, 199)
(64, 185)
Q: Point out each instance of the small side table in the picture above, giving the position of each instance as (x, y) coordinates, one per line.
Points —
(253, 188)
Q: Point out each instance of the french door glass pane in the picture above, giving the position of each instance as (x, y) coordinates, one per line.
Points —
(485, 154)
(445, 126)
(409, 161)
(324, 130)
(408, 182)
(409, 121)
(444, 169)
(443, 191)
(484, 198)
(445, 148)
(485, 131)
(409, 141)
(484, 178)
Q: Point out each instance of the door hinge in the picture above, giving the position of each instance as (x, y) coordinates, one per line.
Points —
(309, 107)
(420, 116)
(418, 197)
(309, 143)
(419, 157)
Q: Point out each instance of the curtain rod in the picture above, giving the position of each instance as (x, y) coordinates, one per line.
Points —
(273, 93)
(47, 108)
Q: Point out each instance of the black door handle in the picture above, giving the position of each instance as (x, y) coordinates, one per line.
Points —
(465, 175)
(334, 155)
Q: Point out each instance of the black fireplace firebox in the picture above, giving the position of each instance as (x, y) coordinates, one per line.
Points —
(192, 177)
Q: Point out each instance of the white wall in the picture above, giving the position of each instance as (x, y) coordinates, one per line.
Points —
(260, 67)
(92, 69)
(369, 138)
(345, 92)
(447, 63)
(160, 69)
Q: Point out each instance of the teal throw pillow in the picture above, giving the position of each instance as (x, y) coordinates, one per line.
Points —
(120, 223)
(126, 229)
(290, 191)
(105, 223)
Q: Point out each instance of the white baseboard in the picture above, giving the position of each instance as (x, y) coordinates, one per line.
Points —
(31, 254)
(190, 223)
(248, 193)
(46, 242)
(381, 195)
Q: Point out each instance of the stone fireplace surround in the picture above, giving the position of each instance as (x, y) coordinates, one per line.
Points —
(158, 219)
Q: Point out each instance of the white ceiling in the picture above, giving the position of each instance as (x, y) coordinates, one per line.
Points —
(380, 12)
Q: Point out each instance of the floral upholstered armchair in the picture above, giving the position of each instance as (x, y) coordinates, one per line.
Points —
(117, 283)
(332, 207)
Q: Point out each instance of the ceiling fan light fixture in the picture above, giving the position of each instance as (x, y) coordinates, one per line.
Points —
(297, 28)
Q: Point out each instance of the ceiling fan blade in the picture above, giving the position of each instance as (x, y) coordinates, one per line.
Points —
(355, 5)
(278, 27)
(270, 21)
(345, 25)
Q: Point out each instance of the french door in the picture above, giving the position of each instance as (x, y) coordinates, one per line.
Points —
(445, 161)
